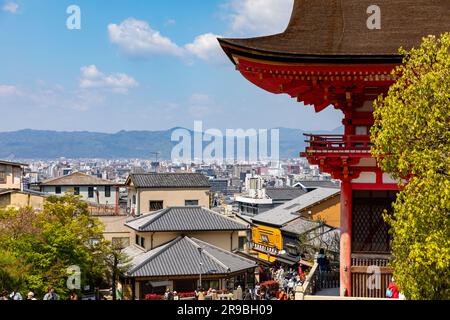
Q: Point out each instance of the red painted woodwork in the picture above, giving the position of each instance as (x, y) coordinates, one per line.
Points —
(350, 88)
(346, 239)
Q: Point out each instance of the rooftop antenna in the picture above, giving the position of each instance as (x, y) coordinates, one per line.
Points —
(156, 163)
(156, 154)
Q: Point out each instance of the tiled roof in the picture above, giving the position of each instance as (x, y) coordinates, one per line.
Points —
(301, 226)
(170, 180)
(284, 193)
(27, 192)
(6, 191)
(78, 179)
(182, 257)
(184, 219)
(9, 163)
(288, 211)
(319, 184)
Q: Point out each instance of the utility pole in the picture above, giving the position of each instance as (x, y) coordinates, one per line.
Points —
(201, 266)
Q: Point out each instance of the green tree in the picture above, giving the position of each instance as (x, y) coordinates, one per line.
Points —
(12, 269)
(117, 263)
(412, 142)
(62, 235)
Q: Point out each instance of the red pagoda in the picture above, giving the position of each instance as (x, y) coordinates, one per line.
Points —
(341, 54)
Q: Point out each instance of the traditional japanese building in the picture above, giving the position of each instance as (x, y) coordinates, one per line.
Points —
(341, 54)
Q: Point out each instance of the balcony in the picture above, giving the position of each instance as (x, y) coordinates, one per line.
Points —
(338, 145)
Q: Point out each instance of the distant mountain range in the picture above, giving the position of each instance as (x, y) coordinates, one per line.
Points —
(36, 144)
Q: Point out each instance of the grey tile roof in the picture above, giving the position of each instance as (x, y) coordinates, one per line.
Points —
(301, 226)
(287, 212)
(6, 191)
(182, 257)
(16, 164)
(170, 180)
(78, 179)
(284, 193)
(185, 219)
(27, 192)
(319, 184)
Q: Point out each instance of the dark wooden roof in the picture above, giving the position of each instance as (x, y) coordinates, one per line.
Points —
(337, 30)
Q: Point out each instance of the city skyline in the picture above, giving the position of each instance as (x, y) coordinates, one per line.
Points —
(138, 66)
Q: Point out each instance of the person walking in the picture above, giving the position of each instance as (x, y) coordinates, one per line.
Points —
(15, 295)
(51, 295)
(239, 293)
(4, 295)
(214, 295)
(322, 261)
(201, 295)
(291, 286)
(168, 295)
(30, 296)
(282, 296)
(73, 296)
(257, 292)
(392, 291)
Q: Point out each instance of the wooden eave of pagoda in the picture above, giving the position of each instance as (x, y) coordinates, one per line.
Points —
(328, 44)
(318, 84)
(237, 52)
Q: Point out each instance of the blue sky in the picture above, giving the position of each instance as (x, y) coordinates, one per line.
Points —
(138, 65)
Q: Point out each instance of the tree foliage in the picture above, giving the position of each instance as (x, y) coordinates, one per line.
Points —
(412, 142)
(47, 243)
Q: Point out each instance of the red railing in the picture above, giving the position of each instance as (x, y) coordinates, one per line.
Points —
(338, 142)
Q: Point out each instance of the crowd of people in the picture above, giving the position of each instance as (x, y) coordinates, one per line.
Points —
(50, 295)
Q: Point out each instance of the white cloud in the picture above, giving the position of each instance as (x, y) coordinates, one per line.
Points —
(10, 7)
(258, 17)
(207, 48)
(93, 78)
(137, 38)
(8, 90)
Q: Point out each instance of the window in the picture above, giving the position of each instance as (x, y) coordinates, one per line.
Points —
(2, 174)
(76, 191)
(265, 238)
(140, 241)
(242, 242)
(90, 192)
(191, 203)
(156, 205)
(107, 192)
(58, 190)
(134, 199)
(292, 249)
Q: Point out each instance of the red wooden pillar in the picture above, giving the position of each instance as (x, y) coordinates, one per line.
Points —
(346, 238)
